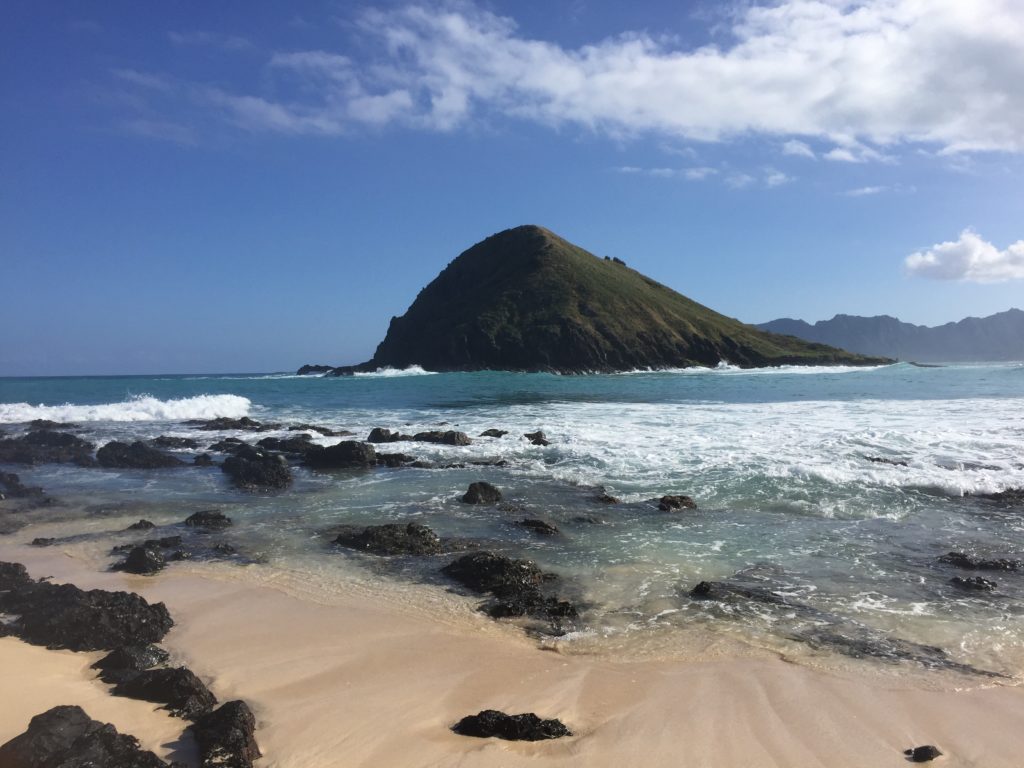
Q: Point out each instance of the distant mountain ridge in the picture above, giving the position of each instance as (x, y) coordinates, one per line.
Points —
(525, 299)
(998, 337)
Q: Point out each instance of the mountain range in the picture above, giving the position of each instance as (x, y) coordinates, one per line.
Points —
(525, 299)
(994, 338)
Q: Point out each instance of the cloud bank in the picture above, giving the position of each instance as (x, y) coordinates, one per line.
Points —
(852, 77)
(971, 259)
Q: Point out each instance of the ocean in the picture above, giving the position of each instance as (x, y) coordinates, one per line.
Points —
(827, 494)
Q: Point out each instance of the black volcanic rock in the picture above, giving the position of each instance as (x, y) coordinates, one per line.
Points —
(12, 487)
(165, 441)
(315, 370)
(481, 493)
(127, 661)
(537, 438)
(347, 454)
(542, 527)
(255, 470)
(524, 727)
(392, 539)
(668, 503)
(178, 689)
(974, 583)
(226, 736)
(924, 754)
(525, 299)
(66, 737)
(971, 563)
(142, 560)
(209, 520)
(448, 437)
(138, 455)
(996, 337)
(47, 447)
(494, 433)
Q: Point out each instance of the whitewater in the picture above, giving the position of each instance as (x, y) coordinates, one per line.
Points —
(837, 487)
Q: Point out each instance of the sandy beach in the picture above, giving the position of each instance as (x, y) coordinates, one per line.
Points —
(367, 680)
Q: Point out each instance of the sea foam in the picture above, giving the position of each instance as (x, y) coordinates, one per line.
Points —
(138, 408)
(388, 372)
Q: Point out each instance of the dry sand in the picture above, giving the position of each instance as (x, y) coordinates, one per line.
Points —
(365, 680)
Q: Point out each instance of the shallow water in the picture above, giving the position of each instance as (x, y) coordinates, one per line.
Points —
(775, 458)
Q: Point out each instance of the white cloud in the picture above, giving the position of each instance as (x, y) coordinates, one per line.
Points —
(798, 149)
(970, 259)
(774, 178)
(690, 174)
(865, 191)
(862, 75)
(162, 130)
(740, 180)
(698, 174)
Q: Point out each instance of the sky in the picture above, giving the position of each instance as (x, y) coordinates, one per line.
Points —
(249, 186)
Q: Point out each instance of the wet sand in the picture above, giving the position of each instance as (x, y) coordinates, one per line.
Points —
(363, 679)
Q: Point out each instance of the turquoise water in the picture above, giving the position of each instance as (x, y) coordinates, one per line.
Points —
(775, 458)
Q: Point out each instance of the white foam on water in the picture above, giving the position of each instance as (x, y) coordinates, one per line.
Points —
(138, 408)
(388, 372)
(726, 368)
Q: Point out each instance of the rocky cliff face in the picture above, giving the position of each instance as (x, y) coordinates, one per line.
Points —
(994, 338)
(525, 299)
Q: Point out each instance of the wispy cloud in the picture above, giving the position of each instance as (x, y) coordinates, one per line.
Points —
(690, 174)
(776, 178)
(865, 191)
(860, 76)
(969, 258)
(162, 130)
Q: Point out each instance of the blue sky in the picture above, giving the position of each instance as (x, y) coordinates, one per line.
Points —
(239, 186)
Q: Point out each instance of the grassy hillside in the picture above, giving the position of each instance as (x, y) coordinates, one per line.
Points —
(525, 299)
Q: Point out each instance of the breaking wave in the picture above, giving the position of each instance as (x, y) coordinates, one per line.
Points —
(412, 370)
(138, 408)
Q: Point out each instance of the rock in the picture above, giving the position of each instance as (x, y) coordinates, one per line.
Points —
(138, 455)
(223, 549)
(537, 438)
(222, 424)
(178, 689)
(312, 370)
(254, 470)
(48, 424)
(66, 737)
(125, 663)
(164, 542)
(165, 441)
(47, 447)
(481, 493)
(524, 727)
(604, 498)
(142, 525)
(1011, 496)
(142, 561)
(227, 445)
(923, 754)
(226, 737)
(392, 539)
(394, 459)
(965, 561)
(210, 520)
(203, 460)
(542, 527)
(667, 503)
(42, 541)
(976, 584)
(494, 433)
(885, 460)
(444, 438)
(348, 454)
(381, 435)
(298, 445)
(13, 489)
(487, 572)
(64, 616)
(321, 430)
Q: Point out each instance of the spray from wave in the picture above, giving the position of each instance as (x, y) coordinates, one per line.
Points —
(387, 373)
(138, 408)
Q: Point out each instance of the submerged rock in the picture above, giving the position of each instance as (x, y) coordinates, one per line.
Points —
(222, 424)
(228, 445)
(348, 454)
(48, 424)
(138, 455)
(923, 754)
(325, 431)
(381, 435)
(481, 493)
(66, 737)
(524, 727)
(515, 583)
(254, 470)
(537, 438)
(494, 433)
(605, 498)
(64, 616)
(210, 520)
(1011, 496)
(394, 459)
(542, 527)
(886, 460)
(141, 525)
(976, 584)
(203, 460)
(298, 445)
(226, 736)
(12, 487)
(668, 503)
(969, 563)
(392, 539)
(165, 441)
(178, 689)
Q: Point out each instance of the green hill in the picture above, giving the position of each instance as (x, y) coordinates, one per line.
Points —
(525, 299)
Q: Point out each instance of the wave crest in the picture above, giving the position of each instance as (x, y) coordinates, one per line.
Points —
(388, 372)
(138, 408)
